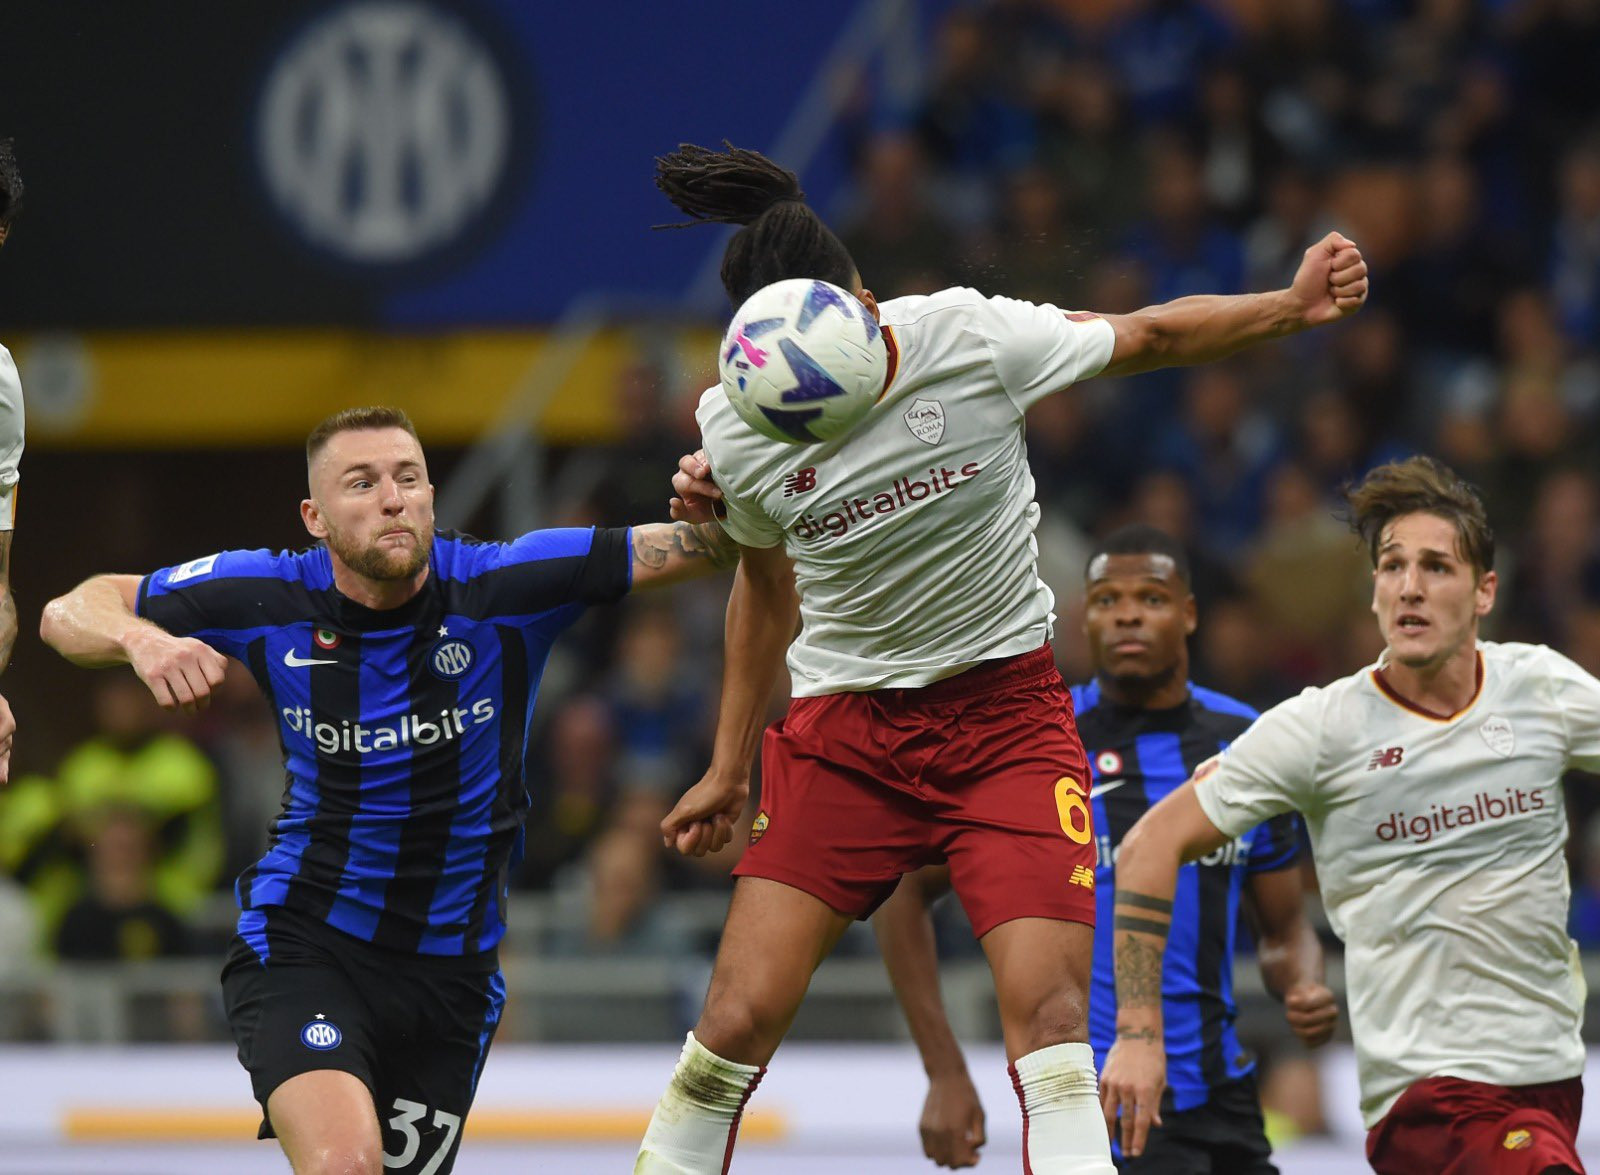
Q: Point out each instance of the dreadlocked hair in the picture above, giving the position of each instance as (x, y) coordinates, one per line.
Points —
(10, 188)
(780, 238)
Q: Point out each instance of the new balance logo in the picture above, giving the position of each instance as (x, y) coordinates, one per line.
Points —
(1387, 757)
(802, 481)
(1082, 875)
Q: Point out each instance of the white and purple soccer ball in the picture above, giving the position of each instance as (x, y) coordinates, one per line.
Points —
(803, 361)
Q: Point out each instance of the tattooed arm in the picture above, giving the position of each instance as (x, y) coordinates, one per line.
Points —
(8, 638)
(670, 552)
(8, 605)
(1174, 831)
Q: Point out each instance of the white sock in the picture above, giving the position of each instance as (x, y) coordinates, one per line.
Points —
(697, 1119)
(1063, 1131)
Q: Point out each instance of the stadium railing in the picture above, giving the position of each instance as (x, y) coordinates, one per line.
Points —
(571, 997)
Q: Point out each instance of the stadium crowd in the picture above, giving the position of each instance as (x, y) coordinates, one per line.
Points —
(1099, 155)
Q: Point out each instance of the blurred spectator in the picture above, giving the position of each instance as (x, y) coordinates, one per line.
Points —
(1338, 444)
(1235, 653)
(899, 243)
(1291, 221)
(1574, 262)
(1583, 629)
(1583, 918)
(19, 931)
(1035, 254)
(1235, 149)
(1085, 140)
(971, 123)
(629, 480)
(134, 761)
(1478, 123)
(1307, 572)
(1446, 292)
(37, 849)
(656, 704)
(1164, 500)
(1160, 48)
(612, 906)
(239, 734)
(1181, 246)
(1075, 471)
(1225, 452)
(1553, 556)
(1291, 1098)
(1535, 356)
(1306, 66)
(119, 918)
(1555, 44)
(572, 793)
(1369, 366)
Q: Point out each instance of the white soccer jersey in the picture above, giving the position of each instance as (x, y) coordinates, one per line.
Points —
(10, 437)
(912, 536)
(1438, 844)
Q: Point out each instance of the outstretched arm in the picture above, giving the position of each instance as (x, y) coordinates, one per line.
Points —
(670, 552)
(1174, 831)
(1331, 284)
(952, 1124)
(95, 625)
(1290, 954)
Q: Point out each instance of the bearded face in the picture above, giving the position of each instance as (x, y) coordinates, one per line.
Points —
(372, 505)
(398, 553)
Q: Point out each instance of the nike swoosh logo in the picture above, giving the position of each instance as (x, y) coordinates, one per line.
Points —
(295, 662)
(1100, 789)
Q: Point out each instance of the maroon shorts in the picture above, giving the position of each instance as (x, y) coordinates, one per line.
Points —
(1448, 1126)
(983, 770)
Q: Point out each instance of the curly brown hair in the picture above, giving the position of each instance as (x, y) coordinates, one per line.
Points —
(1421, 485)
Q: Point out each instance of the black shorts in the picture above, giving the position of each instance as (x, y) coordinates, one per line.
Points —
(1225, 1136)
(414, 1028)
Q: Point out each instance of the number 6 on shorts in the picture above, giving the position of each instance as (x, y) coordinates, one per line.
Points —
(1073, 808)
(405, 1120)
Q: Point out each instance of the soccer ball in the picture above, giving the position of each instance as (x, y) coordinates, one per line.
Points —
(802, 361)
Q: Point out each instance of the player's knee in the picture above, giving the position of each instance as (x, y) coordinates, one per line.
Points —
(741, 1030)
(1060, 1017)
(343, 1159)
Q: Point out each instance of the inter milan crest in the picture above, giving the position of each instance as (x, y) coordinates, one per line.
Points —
(450, 658)
(321, 1034)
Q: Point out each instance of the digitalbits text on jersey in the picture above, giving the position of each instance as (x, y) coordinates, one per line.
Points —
(901, 492)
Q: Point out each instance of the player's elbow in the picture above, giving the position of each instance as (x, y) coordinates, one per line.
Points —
(1145, 341)
(1136, 847)
(1147, 843)
(51, 622)
(55, 622)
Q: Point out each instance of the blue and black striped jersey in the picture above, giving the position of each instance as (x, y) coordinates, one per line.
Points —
(1137, 757)
(403, 731)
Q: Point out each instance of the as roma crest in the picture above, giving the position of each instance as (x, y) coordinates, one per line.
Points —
(925, 419)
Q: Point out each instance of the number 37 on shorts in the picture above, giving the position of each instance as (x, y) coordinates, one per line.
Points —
(1072, 805)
